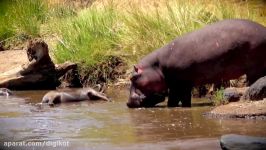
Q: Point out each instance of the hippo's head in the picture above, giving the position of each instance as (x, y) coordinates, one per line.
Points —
(148, 87)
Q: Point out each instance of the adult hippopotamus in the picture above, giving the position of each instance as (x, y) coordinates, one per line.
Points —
(220, 51)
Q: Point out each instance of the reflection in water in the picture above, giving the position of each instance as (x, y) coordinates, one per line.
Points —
(111, 125)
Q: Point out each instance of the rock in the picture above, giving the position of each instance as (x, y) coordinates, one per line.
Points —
(257, 90)
(233, 94)
(242, 142)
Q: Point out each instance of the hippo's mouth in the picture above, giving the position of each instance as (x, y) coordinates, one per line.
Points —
(137, 101)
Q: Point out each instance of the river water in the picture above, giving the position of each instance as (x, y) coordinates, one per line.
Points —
(111, 125)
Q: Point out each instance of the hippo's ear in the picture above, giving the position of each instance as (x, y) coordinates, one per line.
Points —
(135, 68)
(138, 69)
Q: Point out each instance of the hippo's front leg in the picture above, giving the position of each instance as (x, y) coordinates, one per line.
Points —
(177, 94)
(173, 99)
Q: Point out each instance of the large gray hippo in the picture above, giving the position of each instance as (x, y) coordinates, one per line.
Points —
(221, 51)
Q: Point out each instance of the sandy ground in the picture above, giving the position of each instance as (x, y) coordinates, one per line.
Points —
(11, 59)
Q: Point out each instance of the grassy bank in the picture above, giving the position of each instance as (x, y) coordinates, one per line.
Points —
(114, 28)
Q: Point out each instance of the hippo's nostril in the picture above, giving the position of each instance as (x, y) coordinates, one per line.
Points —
(51, 104)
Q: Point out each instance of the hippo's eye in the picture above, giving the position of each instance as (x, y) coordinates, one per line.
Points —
(89, 94)
(135, 77)
(57, 100)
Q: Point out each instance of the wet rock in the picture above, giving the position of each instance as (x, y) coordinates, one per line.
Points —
(257, 90)
(242, 142)
(233, 94)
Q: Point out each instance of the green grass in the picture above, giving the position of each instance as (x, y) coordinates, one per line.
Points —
(88, 38)
(22, 18)
(218, 98)
(5, 29)
(29, 15)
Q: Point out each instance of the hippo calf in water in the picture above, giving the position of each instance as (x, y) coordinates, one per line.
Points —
(221, 51)
(55, 97)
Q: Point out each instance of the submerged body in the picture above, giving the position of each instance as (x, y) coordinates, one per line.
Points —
(55, 97)
(221, 51)
(5, 92)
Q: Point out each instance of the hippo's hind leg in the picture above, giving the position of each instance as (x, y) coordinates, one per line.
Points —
(186, 97)
(182, 93)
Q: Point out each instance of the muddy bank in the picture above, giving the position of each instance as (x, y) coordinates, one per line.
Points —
(241, 109)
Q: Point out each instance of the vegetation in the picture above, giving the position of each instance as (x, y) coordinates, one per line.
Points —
(218, 98)
(22, 18)
(113, 28)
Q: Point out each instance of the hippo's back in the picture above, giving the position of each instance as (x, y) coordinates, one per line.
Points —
(214, 40)
(225, 49)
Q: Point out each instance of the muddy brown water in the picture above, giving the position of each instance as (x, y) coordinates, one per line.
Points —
(111, 125)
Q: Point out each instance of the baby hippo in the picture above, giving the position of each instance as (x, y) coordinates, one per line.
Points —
(55, 97)
(5, 92)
